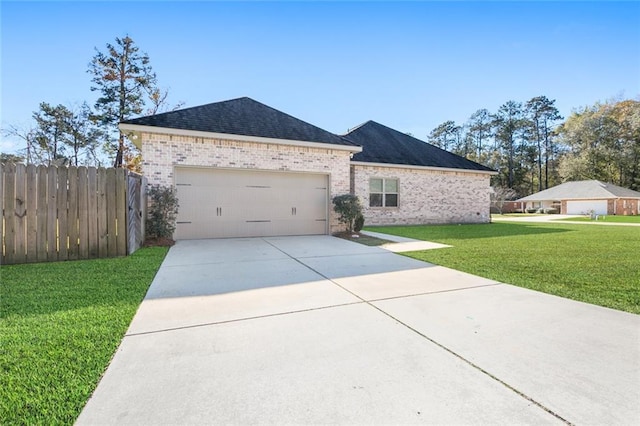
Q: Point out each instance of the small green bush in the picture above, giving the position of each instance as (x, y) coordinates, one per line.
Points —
(349, 208)
(163, 209)
(551, 210)
(359, 223)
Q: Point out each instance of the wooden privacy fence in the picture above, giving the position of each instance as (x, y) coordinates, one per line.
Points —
(59, 213)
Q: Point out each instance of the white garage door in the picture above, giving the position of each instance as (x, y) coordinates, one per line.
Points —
(585, 207)
(240, 203)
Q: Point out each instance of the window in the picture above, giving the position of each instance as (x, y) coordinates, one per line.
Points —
(383, 192)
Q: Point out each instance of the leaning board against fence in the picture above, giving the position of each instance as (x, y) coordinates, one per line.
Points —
(67, 213)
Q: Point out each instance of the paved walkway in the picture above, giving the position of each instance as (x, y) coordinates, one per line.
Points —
(557, 219)
(402, 244)
(319, 330)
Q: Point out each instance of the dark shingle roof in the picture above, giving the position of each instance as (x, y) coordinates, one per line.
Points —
(381, 144)
(242, 116)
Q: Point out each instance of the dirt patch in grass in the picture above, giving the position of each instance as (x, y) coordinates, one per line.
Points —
(357, 237)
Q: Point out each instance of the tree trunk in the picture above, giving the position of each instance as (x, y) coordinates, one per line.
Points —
(120, 153)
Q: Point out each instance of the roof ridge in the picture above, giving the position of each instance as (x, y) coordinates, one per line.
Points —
(241, 116)
(383, 144)
(353, 129)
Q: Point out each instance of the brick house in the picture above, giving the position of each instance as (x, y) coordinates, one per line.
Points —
(242, 168)
(403, 180)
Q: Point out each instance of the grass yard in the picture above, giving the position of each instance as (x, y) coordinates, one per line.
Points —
(61, 324)
(593, 264)
(515, 215)
(612, 219)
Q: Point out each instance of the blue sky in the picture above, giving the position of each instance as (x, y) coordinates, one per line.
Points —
(408, 65)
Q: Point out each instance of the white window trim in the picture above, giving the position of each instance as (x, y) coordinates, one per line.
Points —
(384, 193)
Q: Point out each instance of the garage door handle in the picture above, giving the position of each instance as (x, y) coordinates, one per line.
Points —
(294, 211)
(218, 211)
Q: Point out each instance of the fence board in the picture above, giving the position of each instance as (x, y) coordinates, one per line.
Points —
(83, 214)
(32, 200)
(121, 212)
(136, 199)
(9, 213)
(63, 222)
(111, 213)
(102, 213)
(41, 215)
(92, 207)
(2, 168)
(72, 212)
(52, 214)
(20, 213)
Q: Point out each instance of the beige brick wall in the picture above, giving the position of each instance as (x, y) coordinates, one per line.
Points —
(162, 152)
(426, 196)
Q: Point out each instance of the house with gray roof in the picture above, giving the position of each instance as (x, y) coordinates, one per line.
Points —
(244, 169)
(585, 197)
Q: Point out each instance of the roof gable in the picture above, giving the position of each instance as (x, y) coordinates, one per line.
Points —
(382, 144)
(582, 190)
(241, 116)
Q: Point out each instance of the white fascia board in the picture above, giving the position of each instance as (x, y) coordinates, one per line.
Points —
(435, 169)
(137, 129)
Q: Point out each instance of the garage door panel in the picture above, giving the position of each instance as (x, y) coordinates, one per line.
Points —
(586, 206)
(217, 203)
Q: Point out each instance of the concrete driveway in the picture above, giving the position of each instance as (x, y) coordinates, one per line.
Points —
(299, 330)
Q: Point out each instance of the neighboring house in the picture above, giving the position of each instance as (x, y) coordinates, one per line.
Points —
(403, 180)
(585, 197)
(242, 168)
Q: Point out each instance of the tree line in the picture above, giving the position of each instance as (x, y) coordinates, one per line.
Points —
(532, 147)
(529, 144)
(81, 134)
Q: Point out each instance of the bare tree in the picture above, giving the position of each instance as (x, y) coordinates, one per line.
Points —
(500, 195)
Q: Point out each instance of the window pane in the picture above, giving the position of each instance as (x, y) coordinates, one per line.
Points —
(375, 200)
(391, 200)
(375, 185)
(391, 185)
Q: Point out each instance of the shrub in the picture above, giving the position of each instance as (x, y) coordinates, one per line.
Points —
(359, 223)
(532, 210)
(551, 210)
(349, 208)
(163, 209)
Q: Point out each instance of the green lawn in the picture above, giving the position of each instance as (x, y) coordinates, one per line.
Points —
(594, 264)
(61, 324)
(612, 219)
(516, 215)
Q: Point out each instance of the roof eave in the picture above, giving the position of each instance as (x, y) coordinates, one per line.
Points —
(136, 130)
(432, 168)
